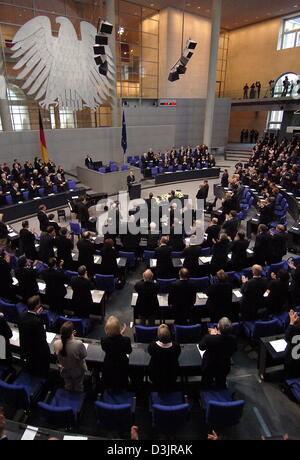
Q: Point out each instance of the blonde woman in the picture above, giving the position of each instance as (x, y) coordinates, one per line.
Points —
(71, 354)
(116, 362)
(164, 366)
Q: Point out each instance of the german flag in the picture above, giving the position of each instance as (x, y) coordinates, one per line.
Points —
(44, 152)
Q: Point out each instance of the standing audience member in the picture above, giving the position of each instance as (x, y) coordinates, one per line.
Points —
(86, 249)
(55, 279)
(295, 284)
(33, 341)
(71, 354)
(182, 297)
(117, 348)
(278, 244)
(147, 305)
(292, 365)
(253, 294)
(82, 300)
(220, 252)
(164, 267)
(278, 288)
(43, 218)
(6, 284)
(109, 264)
(27, 241)
(64, 243)
(3, 234)
(219, 346)
(27, 278)
(230, 225)
(219, 297)
(164, 366)
(46, 250)
(262, 246)
(238, 250)
(5, 331)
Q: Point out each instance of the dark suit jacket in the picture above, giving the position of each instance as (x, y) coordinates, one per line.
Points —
(266, 214)
(262, 248)
(219, 301)
(86, 254)
(43, 220)
(64, 250)
(182, 297)
(218, 352)
(6, 332)
(33, 344)
(109, 265)
(83, 213)
(28, 286)
(239, 254)
(230, 227)
(82, 298)
(202, 192)
(46, 247)
(164, 268)
(278, 246)
(253, 291)
(55, 280)
(147, 302)
(27, 244)
(191, 256)
(212, 233)
(292, 366)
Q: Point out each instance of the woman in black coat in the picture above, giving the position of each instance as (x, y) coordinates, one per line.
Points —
(164, 365)
(116, 362)
(219, 300)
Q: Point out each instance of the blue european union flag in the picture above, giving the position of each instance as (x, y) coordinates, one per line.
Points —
(124, 135)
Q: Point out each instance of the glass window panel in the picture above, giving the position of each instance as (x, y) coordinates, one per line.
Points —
(276, 115)
(289, 40)
(150, 54)
(292, 24)
(128, 36)
(13, 15)
(150, 26)
(149, 68)
(130, 8)
(150, 40)
(149, 93)
(20, 117)
(149, 82)
(298, 39)
(55, 6)
(129, 21)
(67, 118)
(52, 118)
(274, 125)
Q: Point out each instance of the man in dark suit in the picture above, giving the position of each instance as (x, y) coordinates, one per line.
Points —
(27, 278)
(267, 211)
(130, 179)
(164, 267)
(83, 212)
(212, 232)
(262, 247)
(46, 244)
(6, 333)
(191, 256)
(231, 224)
(15, 193)
(27, 241)
(53, 223)
(292, 365)
(64, 243)
(33, 340)
(86, 252)
(43, 219)
(253, 294)
(203, 192)
(238, 249)
(219, 346)
(55, 279)
(278, 244)
(147, 305)
(225, 178)
(82, 286)
(182, 297)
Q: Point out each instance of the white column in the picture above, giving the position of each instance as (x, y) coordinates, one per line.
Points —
(211, 87)
(4, 106)
(111, 17)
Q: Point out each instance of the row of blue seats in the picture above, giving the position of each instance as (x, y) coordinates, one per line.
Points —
(41, 192)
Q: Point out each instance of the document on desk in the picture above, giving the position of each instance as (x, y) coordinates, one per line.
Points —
(201, 351)
(153, 263)
(249, 251)
(237, 293)
(50, 337)
(134, 299)
(75, 438)
(205, 260)
(30, 433)
(42, 286)
(279, 345)
(15, 340)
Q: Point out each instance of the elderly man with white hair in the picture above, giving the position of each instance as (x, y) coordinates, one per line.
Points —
(219, 346)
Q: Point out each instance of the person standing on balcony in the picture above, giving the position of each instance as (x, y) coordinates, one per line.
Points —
(246, 89)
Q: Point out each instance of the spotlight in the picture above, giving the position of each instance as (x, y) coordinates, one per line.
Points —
(99, 50)
(104, 27)
(181, 69)
(100, 40)
(187, 54)
(191, 45)
(173, 76)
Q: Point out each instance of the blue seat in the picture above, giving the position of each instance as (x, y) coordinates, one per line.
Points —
(40, 267)
(296, 261)
(64, 409)
(75, 228)
(54, 189)
(220, 410)
(25, 196)
(202, 284)
(129, 159)
(205, 252)
(4, 370)
(12, 311)
(145, 334)
(125, 397)
(179, 168)
(49, 319)
(114, 168)
(294, 386)
(147, 255)
(154, 171)
(168, 399)
(25, 390)
(256, 329)
(114, 416)
(283, 319)
(274, 268)
(102, 170)
(70, 274)
(105, 283)
(165, 285)
(176, 254)
(9, 200)
(136, 158)
(188, 334)
(131, 258)
(71, 185)
(169, 419)
(81, 326)
(170, 168)
(41, 192)
(124, 168)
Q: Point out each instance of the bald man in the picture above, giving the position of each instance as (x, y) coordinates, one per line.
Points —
(147, 306)
(278, 242)
(212, 232)
(182, 297)
(253, 294)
